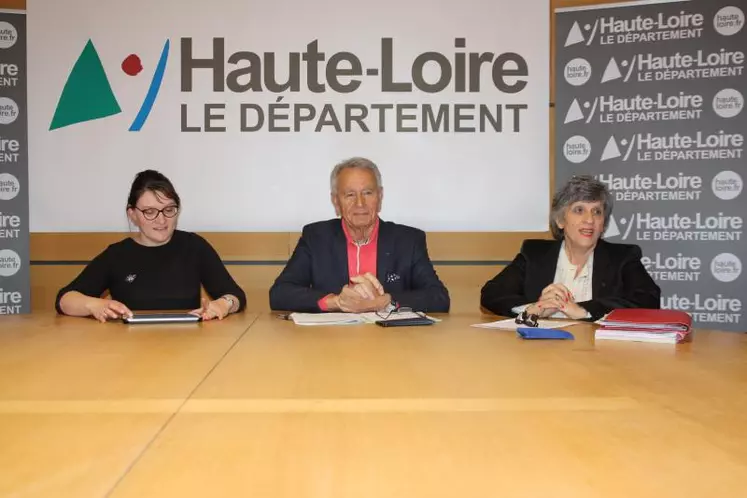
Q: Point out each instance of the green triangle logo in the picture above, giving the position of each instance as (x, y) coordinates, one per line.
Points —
(87, 94)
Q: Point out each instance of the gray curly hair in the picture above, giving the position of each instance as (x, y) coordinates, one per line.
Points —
(583, 188)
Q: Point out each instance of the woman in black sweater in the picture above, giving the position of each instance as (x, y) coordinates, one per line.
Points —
(158, 268)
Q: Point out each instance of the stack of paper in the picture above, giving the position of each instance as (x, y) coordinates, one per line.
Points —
(351, 318)
(326, 318)
(644, 325)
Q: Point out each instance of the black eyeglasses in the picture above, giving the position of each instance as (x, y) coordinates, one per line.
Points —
(525, 318)
(394, 311)
(151, 214)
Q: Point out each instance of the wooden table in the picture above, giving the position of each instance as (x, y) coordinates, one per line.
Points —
(255, 406)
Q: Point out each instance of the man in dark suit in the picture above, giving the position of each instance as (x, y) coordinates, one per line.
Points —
(359, 263)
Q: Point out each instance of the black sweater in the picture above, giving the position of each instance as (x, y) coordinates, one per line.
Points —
(166, 277)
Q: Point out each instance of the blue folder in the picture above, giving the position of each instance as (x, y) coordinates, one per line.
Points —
(540, 333)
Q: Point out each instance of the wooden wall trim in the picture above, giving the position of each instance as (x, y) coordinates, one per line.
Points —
(276, 247)
(13, 4)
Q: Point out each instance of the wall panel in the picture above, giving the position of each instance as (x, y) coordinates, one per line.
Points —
(463, 260)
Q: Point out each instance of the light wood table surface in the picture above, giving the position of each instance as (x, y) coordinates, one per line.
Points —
(80, 401)
(268, 409)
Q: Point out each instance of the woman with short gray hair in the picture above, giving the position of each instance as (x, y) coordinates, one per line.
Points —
(578, 275)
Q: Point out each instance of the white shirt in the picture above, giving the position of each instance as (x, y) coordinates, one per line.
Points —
(565, 273)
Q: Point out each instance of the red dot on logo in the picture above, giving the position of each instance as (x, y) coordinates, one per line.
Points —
(132, 65)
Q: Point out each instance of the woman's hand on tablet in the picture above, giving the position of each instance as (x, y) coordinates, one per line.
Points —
(107, 309)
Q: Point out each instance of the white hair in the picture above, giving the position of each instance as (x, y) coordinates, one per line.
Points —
(354, 162)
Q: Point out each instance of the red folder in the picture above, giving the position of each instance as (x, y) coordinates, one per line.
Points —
(645, 319)
(646, 325)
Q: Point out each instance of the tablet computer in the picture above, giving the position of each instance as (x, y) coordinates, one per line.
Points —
(161, 318)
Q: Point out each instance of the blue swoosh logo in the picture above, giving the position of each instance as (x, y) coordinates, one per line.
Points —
(155, 86)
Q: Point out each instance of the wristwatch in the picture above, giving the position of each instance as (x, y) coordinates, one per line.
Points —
(231, 302)
(391, 307)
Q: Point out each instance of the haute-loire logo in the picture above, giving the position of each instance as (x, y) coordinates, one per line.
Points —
(88, 95)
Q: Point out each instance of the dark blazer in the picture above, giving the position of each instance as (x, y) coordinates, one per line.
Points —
(619, 279)
(319, 266)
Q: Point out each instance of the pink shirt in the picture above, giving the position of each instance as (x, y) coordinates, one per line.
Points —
(361, 258)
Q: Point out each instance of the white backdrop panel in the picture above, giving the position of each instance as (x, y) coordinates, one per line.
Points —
(267, 181)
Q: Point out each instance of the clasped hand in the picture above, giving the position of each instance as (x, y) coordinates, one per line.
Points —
(556, 298)
(364, 293)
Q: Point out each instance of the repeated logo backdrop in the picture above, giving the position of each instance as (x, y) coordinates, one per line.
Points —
(14, 198)
(650, 99)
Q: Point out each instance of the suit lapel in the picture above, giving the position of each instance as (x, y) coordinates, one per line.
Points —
(384, 251)
(546, 263)
(599, 271)
(340, 255)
